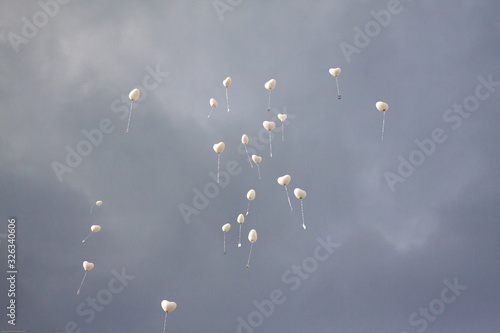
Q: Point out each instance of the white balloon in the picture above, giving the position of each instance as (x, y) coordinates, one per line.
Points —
(88, 266)
(299, 193)
(244, 139)
(241, 219)
(213, 103)
(381, 106)
(252, 235)
(269, 125)
(334, 71)
(134, 94)
(284, 180)
(95, 228)
(282, 117)
(251, 195)
(219, 147)
(270, 84)
(98, 203)
(227, 82)
(256, 159)
(168, 306)
(226, 227)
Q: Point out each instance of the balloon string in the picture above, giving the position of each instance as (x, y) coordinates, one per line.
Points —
(270, 145)
(248, 206)
(129, 115)
(91, 208)
(209, 113)
(302, 208)
(165, 322)
(248, 155)
(249, 255)
(224, 243)
(81, 284)
(258, 170)
(239, 238)
(227, 101)
(291, 209)
(383, 126)
(83, 241)
(338, 90)
(269, 103)
(283, 132)
(218, 165)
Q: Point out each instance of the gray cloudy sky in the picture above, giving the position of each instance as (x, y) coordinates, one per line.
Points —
(414, 219)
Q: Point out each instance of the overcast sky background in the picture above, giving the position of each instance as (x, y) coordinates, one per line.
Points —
(396, 247)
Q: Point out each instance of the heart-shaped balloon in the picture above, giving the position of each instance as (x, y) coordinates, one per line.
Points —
(284, 180)
(270, 84)
(168, 306)
(381, 106)
(269, 125)
(134, 94)
(226, 227)
(252, 235)
(299, 193)
(334, 71)
(227, 82)
(87, 265)
(256, 159)
(282, 117)
(251, 195)
(219, 147)
(213, 103)
(95, 228)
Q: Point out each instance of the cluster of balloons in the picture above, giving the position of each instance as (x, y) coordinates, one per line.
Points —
(252, 236)
(381, 106)
(87, 266)
(284, 180)
(299, 194)
(213, 103)
(269, 85)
